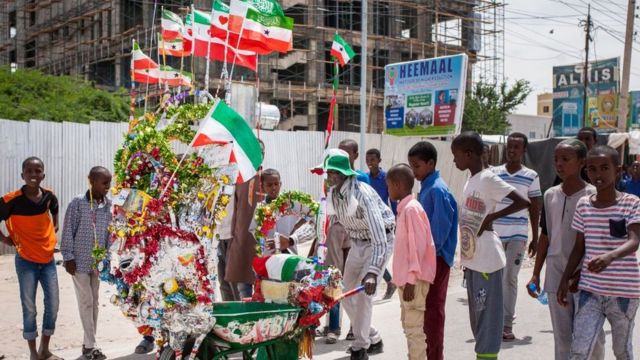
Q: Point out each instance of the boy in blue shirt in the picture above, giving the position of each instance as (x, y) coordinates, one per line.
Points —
(442, 211)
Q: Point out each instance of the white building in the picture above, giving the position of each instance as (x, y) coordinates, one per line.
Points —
(535, 127)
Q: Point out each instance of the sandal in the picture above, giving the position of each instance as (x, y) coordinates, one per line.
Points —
(507, 334)
(144, 347)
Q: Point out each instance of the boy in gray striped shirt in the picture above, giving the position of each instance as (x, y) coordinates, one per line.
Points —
(369, 223)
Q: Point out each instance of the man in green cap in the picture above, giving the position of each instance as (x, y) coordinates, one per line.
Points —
(370, 224)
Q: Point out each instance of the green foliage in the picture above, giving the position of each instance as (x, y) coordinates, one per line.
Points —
(29, 94)
(487, 106)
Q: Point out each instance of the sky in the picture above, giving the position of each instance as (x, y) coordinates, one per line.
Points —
(540, 34)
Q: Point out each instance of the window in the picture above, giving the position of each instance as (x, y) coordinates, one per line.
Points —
(32, 18)
(131, 14)
(449, 31)
(380, 59)
(30, 54)
(12, 24)
(408, 22)
(349, 14)
(295, 73)
(545, 109)
(296, 12)
(381, 18)
(348, 117)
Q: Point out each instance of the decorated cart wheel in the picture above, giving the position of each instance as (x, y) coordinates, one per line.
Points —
(288, 203)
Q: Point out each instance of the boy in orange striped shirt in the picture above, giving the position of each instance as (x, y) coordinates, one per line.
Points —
(31, 217)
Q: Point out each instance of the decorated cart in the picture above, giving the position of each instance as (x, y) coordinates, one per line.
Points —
(162, 257)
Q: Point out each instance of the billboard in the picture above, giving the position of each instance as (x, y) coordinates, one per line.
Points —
(634, 110)
(602, 97)
(425, 97)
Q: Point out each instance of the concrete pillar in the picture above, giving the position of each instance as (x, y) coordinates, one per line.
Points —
(313, 115)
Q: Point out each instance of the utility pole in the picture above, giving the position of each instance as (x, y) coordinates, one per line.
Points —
(585, 71)
(626, 70)
(363, 79)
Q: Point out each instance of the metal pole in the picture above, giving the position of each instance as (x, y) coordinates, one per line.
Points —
(363, 81)
(585, 71)
(626, 70)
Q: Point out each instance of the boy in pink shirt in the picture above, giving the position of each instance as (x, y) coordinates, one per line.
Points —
(414, 258)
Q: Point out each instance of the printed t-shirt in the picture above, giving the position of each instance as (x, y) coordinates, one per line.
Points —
(605, 230)
(481, 193)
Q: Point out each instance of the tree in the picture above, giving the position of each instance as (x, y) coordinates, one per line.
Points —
(487, 106)
(30, 94)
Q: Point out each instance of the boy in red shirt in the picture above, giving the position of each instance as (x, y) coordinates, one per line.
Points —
(31, 216)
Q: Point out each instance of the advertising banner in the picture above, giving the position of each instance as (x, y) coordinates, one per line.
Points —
(602, 97)
(634, 110)
(425, 97)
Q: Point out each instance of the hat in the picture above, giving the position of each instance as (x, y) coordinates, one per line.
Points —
(329, 153)
(339, 162)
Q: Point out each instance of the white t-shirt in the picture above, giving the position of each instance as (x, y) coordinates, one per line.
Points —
(482, 192)
(527, 184)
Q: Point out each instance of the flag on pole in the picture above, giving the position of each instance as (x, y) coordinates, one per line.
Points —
(222, 126)
(173, 47)
(163, 75)
(220, 27)
(172, 25)
(264, 22)
(341, 50)
(139, 60)
(203, 41)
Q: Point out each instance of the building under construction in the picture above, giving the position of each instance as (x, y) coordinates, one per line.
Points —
(92, 39)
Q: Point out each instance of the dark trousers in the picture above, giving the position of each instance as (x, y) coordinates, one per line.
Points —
(228, 291)
(434, 314)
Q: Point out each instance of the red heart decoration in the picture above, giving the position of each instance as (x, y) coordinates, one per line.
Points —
(223, 20)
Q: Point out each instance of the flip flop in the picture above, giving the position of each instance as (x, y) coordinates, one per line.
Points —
(53, 357)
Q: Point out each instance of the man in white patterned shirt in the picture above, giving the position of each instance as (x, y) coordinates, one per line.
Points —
(370, 224)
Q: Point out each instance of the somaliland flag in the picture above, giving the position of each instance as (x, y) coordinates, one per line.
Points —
(341, 50)
(172, 25)
(219, 29)
(173, 47)
(139, 60)
(222, 126)
(203, 41)
(265, 24)
(163, 75)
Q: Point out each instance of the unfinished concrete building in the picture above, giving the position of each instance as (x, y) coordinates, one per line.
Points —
(92, 39)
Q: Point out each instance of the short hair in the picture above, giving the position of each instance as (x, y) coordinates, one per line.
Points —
(578, 146)
(606, 150)
(98, 170)
(32, 159)
(519, 135)
(270, 172)
(425, 151)
(591, 130)
(469, 141)
(374, 151)
(350, 143)
(401, 174)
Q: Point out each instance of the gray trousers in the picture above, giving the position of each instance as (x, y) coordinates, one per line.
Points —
(562, 323)
(359, 307)
(228, 291)
(515, 252)
(591, 311)
(87, 290)
(484, 292)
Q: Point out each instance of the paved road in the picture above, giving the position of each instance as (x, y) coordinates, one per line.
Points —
(117, 337)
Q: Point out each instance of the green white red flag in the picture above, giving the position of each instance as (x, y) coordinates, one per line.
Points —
(220, 27)
(163, 75)
(139, 60)
(173, 47)
(171, 24)
(223, 125)
(262, 21)
(341, 50)
(201, 42)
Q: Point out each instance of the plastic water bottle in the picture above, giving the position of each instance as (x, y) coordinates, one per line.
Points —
(542, 295)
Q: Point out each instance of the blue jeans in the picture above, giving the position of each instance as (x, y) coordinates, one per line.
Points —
(29, 274)
(334, 318)
(245, 290)
(591, 311)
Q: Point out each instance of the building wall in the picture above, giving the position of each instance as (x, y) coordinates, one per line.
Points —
(534, 127)
(545, 104)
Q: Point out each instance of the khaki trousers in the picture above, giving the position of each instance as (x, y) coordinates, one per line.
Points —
(87, 286)
(412, 317)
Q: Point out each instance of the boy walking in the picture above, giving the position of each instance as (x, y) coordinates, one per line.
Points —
(513, 229)
(442, 211)
(482, 253)
(414, 259)
(86, 226)
(608, 234)
(31, 217)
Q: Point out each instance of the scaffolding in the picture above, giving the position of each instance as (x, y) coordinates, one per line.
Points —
(92, 39)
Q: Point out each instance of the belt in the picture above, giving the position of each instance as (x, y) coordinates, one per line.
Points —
(387, 231)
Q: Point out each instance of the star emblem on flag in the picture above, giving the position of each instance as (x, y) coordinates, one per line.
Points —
(173, 47)
(266, 32)
(175, 75)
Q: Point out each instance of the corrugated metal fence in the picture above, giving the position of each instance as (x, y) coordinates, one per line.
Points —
(69, 150)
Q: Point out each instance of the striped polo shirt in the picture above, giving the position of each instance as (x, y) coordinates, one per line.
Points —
(527, 184)
(622, 277)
